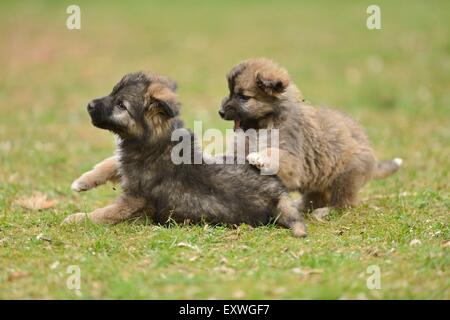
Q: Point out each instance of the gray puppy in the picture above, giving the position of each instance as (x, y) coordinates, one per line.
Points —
(142, 110)
(323, 153)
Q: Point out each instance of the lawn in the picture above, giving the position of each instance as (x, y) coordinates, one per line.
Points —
(395, 81)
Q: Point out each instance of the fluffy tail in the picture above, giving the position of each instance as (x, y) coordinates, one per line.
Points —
(386, 168)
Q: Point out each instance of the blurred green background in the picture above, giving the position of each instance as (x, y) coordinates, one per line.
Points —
(395, 81)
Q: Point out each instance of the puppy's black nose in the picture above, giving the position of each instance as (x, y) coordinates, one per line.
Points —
(222, 113)
(90, 106)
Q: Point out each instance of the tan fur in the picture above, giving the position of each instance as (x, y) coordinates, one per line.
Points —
(103, 172)
(288, 217)
(124, 208)
(323, 153)
(160, 92)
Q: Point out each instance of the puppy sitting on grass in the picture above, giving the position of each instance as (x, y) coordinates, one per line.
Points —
(323, 154)
(142, 111)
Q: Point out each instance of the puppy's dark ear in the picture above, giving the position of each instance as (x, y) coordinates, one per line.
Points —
(166, 108)
(162, 100)
(272, 81)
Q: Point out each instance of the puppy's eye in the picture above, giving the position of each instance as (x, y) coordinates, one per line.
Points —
(244, 97)
(121, 106)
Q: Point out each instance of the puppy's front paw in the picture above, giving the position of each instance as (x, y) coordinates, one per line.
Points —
(81, 185)
(75, 218)
(257, 160)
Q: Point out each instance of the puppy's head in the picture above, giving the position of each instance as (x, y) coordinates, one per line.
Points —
(256, 86)
(140, 106)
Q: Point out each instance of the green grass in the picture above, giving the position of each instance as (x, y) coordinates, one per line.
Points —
(394, 81)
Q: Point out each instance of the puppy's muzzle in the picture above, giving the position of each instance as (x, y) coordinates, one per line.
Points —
(91, 106)
(97, 111)
(228, 112)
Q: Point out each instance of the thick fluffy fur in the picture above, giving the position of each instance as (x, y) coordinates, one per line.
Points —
(143, 111)
(323, 153)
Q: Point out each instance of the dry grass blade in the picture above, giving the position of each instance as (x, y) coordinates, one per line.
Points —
(38, 201)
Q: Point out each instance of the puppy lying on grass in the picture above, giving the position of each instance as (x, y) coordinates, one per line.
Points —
(323, 154)
(142, 110)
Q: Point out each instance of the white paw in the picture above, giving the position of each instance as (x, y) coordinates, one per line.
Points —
(257, 160)
(79, 185)
(398, 161)
(75, 218)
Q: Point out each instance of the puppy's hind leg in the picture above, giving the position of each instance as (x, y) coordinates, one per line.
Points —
(289, 217)
(103, 172)
(124, 208)
(344, 193)
(345, 188)
(314, 200)
(316, 203)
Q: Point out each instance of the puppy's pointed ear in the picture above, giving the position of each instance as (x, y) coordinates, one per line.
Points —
(162, 100)
(272, 81)
(165, 107)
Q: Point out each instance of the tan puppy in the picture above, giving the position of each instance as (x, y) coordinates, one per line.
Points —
(323, 154)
